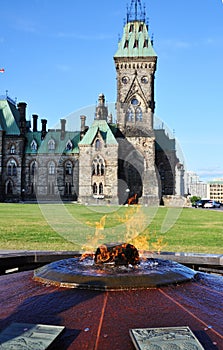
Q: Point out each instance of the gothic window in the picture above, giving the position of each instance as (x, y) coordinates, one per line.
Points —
(130, 115)
(93, 169)
(102, 167)
(33, 168)
(12, 149)
(68, 188)
(68, 168)
(95, 188)
(51, 188)
(33, 145)
(51, 145)
(138, 114)
(33, 188)
(9, 187)
(97, 145)
(131, 28)
(69, 145)
(11, 168)
(100, 188)
(98, 166)
(51, 168)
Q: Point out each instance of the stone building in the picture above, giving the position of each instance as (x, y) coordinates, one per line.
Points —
(107, 162)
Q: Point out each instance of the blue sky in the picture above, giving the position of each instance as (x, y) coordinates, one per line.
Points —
(58, 57)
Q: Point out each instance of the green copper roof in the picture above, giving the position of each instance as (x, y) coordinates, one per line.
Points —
(9, 117)
(60, 144)
(105, 131)
(135, 41)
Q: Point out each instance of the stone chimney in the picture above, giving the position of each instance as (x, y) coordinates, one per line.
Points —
(35, 118)
(22, 111)
(63, 123)
(43, 131)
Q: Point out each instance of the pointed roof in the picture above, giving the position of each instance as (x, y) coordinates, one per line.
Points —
(9, 117)
(60, 144)
(105, 131)
(135, 41)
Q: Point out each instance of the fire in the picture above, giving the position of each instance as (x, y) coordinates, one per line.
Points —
(134, 221)
(121, 254)
(97, 237)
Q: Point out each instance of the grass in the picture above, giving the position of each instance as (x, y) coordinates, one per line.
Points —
(62, 227)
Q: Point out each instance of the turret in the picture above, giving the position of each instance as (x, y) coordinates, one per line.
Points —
(101, 109)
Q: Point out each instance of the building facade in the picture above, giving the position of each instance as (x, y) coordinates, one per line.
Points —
(196, 187)
(107, 162)
(215, 190)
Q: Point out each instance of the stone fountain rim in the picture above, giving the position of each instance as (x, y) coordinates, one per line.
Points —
(50, 275)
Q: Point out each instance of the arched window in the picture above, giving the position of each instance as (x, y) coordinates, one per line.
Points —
(98, 166)
(100, 188)
(51, 168)
(130, 115)
(33, 168)
(12, 149)
(138, 114)
(9, 187)
(33, 145)
(51, 145)
(97, 145)
(95, 188)
(68, 168)
(93, 169)
(11, 168)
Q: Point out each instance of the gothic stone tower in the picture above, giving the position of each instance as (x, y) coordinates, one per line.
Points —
(135, 62)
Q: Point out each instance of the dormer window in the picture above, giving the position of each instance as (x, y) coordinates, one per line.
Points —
(97, 145)
(51, 145)
(131, 28)
(126, 45)
(69, 146)
(140, 27)
(146, 43)
(136, 44)
(33, 145)
(12, 149)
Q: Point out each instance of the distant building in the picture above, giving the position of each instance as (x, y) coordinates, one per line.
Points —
(215, 190)
(196, 187)
(107, 162)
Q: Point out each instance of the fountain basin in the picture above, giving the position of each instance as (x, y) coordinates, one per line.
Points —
(150, 273)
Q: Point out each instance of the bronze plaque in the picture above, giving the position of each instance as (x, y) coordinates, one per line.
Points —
(177, 338)
(26, 336)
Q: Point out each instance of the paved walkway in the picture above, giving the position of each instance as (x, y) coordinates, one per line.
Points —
(101, 320)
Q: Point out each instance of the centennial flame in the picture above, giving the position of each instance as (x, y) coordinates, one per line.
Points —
(121, 254)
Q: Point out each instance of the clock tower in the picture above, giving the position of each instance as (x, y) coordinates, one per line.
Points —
(135, 62)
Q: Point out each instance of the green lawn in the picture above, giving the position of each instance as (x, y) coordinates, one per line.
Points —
(72, 227)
